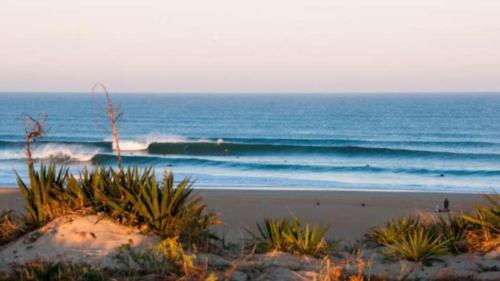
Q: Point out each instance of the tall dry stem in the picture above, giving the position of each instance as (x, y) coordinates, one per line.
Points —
(113, 115)
(33, 130)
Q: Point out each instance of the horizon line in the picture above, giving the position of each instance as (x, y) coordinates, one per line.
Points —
(259, 92)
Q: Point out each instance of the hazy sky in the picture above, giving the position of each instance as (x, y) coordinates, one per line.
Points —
(250, 46)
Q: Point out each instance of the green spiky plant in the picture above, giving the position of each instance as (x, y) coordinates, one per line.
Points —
(453, 229)
(487, 219)
(272, 235)
(393, 229)
(136, 197)
(44, 197)
(290, 236)
(418, 245)
(171, 211)
(47, 271)
(111, 190)
(308, 240)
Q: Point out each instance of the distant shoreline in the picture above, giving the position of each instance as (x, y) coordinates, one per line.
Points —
(315, 189)
(343, 211)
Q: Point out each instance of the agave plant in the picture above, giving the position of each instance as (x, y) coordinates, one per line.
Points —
(110, 190)
(393, 230)
(136, 197)
(44, 197)
(418, 245)
(171, 211)
(307, 240)
(487, 219)
(289, 236)
(272, 235)
(43, 270)
(453, 229)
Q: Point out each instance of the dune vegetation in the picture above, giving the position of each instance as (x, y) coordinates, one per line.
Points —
(179, 218)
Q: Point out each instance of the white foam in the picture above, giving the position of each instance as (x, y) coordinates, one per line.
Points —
(11, 154)
(129, 145)
(53, 151)
(142, 143)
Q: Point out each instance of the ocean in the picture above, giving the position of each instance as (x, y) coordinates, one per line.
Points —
(384, 142)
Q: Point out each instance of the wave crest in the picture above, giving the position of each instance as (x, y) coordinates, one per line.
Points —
(143, 143)
(56, 152)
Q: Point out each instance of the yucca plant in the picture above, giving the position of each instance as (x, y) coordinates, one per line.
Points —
(307, 240)
(44, 197)
(453, 229)
(171, 211)
(47, 271)
(418, 245)
(136, 197)
(81, 188)
(272, 235)
(109, 190)
(393, 229)
(290, 236)
(487, 218)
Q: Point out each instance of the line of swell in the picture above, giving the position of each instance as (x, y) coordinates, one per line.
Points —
(101, 144)
(210, 148)
(243, 149)
(170, 161)
(279, 141)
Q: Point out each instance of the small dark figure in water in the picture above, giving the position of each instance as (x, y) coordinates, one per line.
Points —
(317, 203)
(441, 175)
(446, 205)
(363, 204)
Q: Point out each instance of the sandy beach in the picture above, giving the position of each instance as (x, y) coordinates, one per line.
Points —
(343, 211)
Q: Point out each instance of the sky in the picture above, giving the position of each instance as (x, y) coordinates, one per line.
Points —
(250, 46)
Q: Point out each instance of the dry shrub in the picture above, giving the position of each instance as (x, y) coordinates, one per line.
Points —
(339, 272)
(486, 218)
(11, 226)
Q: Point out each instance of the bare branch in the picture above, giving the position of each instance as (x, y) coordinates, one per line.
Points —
(33, 129)
(114, 115)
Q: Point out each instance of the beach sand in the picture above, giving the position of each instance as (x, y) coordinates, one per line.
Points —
(341, 210)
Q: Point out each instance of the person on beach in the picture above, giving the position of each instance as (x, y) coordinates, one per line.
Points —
(446, 205)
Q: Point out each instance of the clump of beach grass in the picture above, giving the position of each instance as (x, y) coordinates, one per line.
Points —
(134, 197)
(486, 218)
(418, 245)
(168, 258)
(422, 238)
(45, 194)
(45, 270)
(289, 235)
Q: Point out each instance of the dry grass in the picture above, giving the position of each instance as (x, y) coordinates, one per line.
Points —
(486, 218)
(339, 272)
(11, 226)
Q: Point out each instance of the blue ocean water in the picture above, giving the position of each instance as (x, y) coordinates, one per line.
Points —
(406, 142)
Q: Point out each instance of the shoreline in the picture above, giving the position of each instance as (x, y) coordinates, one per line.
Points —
(350, 214)
(318, 189)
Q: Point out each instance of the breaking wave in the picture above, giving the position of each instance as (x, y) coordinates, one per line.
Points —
(55, 152)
